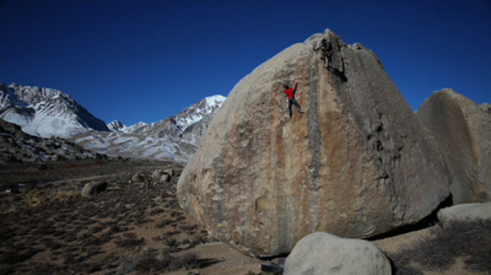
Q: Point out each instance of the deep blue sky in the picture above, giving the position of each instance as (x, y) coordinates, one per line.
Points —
(147, 60)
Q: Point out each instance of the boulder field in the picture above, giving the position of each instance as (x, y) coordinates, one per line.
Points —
(357, 164)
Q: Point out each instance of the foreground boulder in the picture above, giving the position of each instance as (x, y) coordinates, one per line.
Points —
(93, 188)
(358, 163)
(466, 212)
(157, 174)
(463, 131)
(322, 253)
(138, 178)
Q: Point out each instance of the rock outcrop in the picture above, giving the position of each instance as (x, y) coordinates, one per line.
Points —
(466, 212)
(322, 253)
(463, 132)
(17, 146)
(357, 164)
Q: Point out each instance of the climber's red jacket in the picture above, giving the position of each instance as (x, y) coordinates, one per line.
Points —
(289, 92)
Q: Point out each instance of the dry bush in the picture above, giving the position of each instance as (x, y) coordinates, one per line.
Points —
(162, 224)
(156, 212)
(14, 257)
(129, 240)
(439, 251)
(142, 221)
(151, 261)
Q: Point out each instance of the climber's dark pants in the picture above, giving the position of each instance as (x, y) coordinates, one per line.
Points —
(291, 102)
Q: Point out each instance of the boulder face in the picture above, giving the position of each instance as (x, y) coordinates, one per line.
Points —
(463, 131)
(358, 163)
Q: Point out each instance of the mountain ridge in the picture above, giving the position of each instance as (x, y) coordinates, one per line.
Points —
(45, 112)
(175, 138)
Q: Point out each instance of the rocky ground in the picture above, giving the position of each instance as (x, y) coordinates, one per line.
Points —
(49, 228)
(17, 147)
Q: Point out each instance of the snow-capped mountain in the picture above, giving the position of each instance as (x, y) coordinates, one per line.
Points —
(116, 126)
(175, 138)
(46, 112)
(188, 125)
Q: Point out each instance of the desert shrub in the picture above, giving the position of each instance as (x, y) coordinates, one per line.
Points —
(151, 261)
(95, 229)
(44, 230)
(14, 258)
(56, 246)
(187, 261)
(172, 244)
(162, 224)
(170, 233)
(81, 258)
(114, 229)
(84, 236)
(156, 212)
(129, 240)
(445, 244)
(59, 233)
(43, 269)
(185, 227)
(105, 237)
(141, 221)
(90, 267)
(70, 237)
(68, 257)
(91, 241)
(60, 217)
(174, 214)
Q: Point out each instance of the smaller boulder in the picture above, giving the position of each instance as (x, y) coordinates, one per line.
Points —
(322, 253)
(157, 174)
(93, 188)
(169, 171)
(137, 178)
(165, 178)
(468, 211)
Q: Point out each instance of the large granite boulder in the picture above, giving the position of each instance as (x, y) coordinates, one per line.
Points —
(322, 253)
(463, 132)
(358, 163)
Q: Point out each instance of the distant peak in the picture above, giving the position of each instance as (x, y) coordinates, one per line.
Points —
(116, 122)
(216, 99)
(116, 125)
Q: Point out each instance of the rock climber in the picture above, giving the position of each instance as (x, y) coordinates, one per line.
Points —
(290, 93)
(326, 51)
